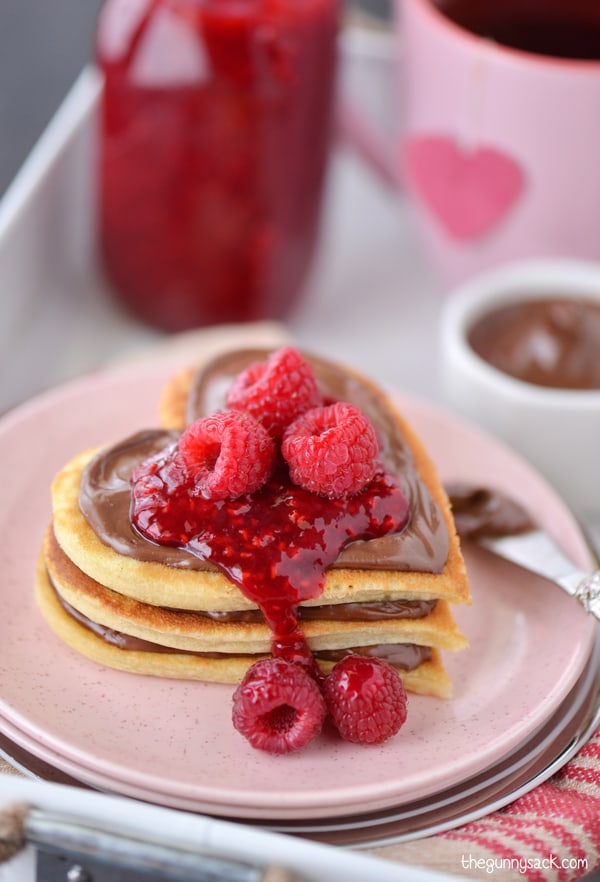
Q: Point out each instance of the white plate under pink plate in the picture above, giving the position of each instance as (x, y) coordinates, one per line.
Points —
(529, 643)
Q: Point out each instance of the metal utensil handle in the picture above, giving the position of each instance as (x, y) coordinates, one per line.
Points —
(68, 848)
(537, 552)
(588, 593)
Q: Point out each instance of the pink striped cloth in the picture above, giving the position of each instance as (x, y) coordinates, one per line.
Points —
(551, 834)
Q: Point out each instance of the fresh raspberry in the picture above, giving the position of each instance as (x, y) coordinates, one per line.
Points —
(366, 699)
(277, 390)
(227, 454)
(278, 707)
(331, 450)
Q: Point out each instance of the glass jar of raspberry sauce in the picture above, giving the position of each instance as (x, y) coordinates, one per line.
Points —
(215, 129)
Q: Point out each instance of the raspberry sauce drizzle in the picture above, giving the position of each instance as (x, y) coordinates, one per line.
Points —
(274, 544)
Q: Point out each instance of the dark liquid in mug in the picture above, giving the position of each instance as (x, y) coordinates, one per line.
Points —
(557, 28)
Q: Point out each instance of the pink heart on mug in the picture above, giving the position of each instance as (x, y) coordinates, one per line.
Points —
(469, 191)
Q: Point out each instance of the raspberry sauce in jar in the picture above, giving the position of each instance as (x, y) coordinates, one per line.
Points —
(215, 130)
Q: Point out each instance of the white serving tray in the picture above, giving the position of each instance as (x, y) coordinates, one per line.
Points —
(371, 299)
(142, 826)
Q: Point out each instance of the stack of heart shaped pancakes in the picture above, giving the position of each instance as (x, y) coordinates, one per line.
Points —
(133, 604)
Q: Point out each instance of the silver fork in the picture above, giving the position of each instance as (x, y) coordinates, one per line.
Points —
(537, 552)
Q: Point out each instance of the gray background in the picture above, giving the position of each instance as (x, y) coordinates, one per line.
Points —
(43, 46)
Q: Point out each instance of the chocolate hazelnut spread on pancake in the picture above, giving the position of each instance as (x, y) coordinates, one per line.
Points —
(105, 489)
(339, 612)
(407, 656)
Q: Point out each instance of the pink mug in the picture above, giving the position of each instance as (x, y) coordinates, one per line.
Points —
(499, 149)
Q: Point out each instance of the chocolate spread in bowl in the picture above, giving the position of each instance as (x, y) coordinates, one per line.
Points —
(552, 342)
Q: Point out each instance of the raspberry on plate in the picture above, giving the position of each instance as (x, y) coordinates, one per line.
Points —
(227, 454)
(278, 707)
(366, 699)
(331, 450)
(277, 390)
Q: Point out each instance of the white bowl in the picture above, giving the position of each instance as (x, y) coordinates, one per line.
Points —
(557, 430)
